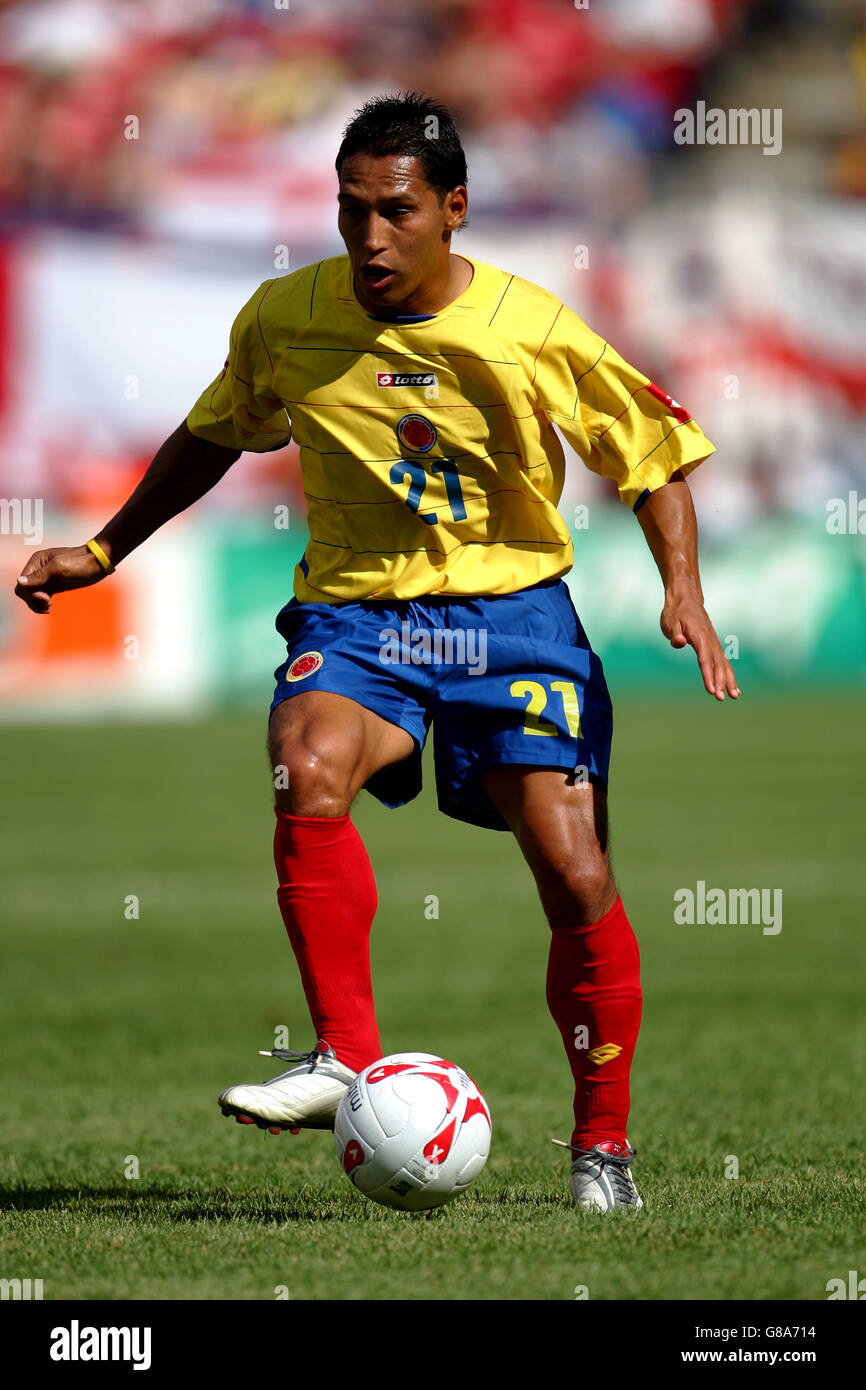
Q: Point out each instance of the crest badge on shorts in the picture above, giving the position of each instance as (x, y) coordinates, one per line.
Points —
(304, 665)
(417, 433)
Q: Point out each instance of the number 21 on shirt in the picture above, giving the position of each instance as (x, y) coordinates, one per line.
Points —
(408, 468)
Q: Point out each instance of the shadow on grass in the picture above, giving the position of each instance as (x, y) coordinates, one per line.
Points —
(192, 1205)
(179, 1205)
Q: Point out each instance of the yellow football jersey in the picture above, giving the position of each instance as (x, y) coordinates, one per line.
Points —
(429, 457)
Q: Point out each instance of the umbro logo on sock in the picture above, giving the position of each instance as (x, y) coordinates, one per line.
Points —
(605, 1053)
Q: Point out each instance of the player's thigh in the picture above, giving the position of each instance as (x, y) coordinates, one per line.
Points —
(561, 825)
(323, 747)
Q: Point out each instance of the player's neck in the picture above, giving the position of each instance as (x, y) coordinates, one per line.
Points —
(439, 295)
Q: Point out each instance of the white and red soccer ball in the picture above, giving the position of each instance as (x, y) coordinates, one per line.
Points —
(412, 1131)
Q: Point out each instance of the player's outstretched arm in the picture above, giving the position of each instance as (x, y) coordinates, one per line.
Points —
(182, 471)
(670, 526)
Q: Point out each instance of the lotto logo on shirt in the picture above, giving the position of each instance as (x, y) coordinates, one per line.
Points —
(406, 379)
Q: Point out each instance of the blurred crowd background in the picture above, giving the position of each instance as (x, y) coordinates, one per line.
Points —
(158, 161)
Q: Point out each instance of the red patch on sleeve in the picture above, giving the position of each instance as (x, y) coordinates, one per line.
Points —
(678, 411)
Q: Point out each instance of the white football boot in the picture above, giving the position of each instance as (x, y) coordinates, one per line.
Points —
(600, 1179)
(304, 1097)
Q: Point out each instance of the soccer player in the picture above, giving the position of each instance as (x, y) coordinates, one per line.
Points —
(425, 389)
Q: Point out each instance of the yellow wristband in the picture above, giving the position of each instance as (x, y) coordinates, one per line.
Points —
(101, 556)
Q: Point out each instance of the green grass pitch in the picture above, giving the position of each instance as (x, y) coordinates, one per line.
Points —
(119, 1033)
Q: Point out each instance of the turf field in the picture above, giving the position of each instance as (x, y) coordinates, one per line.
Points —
(119, 1033)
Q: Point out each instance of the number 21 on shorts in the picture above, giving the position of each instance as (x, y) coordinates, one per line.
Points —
(536, 696)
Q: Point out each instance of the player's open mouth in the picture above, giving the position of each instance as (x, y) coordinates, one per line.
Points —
(376, 277)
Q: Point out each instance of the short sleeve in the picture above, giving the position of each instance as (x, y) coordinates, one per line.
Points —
(622, 425)
(240, 409)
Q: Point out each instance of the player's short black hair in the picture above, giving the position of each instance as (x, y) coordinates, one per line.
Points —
(409, 123)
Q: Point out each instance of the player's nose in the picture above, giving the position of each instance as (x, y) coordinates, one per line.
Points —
(375, 238)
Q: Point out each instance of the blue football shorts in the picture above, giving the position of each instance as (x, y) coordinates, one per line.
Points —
(508, 679)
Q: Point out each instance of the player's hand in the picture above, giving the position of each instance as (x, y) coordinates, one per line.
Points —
(685, 621)
(50, 572)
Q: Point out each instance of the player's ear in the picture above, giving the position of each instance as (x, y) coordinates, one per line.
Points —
(457, 202)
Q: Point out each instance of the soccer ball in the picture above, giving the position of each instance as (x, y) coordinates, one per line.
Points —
(412, 1131)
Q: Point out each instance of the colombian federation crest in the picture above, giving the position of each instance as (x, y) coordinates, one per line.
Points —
(417, 433)
(304, 665)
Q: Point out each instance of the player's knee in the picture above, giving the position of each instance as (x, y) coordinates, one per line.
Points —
(577, 894)
(311, 781)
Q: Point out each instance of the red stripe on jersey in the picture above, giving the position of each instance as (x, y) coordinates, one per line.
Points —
(626, 408)
(259, 322)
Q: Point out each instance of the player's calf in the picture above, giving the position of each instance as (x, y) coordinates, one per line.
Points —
(577, 894)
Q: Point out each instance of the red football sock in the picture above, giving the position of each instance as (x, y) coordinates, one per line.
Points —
(594, 994)
(327, 895)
